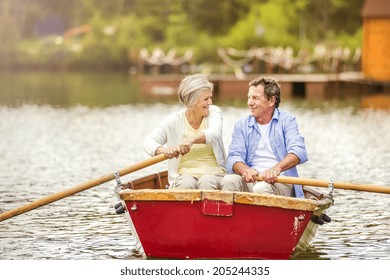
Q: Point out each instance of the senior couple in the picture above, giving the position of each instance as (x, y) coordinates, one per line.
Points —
(265, 142)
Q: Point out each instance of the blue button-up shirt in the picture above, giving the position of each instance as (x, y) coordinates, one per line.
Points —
(284, 138)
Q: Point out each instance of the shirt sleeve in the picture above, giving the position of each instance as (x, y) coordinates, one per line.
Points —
(295, 142)
(237, 149)
(157, 138)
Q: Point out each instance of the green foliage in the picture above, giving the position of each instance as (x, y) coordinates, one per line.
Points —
(180, 32)
(121, 28)
(276, 24)
(205, 48)
(352, 41)
(265, 25)
(215, 16)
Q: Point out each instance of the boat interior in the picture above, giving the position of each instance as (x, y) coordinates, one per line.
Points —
(160, 181)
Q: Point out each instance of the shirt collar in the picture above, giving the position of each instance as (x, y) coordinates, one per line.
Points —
(252, 121)
(276, 114)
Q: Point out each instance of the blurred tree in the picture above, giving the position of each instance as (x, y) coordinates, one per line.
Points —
(215, 16)
(327, 18)
(27, 13)
(123, 25)
(270, 23)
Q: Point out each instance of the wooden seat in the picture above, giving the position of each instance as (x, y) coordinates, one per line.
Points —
(153, 181)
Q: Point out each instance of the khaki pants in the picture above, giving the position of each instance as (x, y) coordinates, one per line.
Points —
(235, 183)
(204, 182)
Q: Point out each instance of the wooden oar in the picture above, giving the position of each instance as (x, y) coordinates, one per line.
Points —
(337, 185)
(79, 188)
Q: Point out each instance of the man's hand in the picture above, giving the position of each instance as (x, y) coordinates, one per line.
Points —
(270, 175)
(250, 175)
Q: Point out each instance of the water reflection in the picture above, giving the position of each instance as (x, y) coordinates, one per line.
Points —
(67, 88)
(48, 144)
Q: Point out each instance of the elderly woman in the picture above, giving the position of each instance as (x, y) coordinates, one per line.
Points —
(192, 138)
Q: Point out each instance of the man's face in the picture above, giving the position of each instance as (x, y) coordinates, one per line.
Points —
(258, 104)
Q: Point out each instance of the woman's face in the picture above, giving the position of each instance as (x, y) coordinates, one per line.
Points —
(202, 105)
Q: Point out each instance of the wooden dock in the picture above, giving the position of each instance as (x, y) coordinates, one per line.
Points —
(341, 86)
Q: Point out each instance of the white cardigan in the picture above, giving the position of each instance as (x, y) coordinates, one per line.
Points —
(171, 129)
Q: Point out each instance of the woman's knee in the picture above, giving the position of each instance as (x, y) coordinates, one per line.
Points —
(209, 182)
(185, 181)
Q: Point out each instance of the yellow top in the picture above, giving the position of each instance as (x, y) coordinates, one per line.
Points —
(200, 159)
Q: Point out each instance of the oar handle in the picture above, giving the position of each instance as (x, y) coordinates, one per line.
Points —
(79, 188)
(325, 184)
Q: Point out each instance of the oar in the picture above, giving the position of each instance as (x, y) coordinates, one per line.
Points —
(79, 188)
(337, 185)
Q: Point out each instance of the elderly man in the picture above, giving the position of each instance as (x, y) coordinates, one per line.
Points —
(265, 142)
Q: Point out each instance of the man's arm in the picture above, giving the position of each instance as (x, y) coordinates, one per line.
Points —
(247, 173)
(291, 160)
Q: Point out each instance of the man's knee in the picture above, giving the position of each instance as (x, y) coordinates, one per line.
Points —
(277, 189)
(233, 182)
(263, 187)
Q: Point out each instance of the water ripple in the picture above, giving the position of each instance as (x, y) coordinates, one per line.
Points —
(45, 150)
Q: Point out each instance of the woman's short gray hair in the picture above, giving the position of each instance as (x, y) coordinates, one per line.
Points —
(191, 87)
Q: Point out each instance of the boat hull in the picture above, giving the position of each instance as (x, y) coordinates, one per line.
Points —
(219, 225)
(180, 230)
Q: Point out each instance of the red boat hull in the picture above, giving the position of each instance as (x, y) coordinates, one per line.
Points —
(195, 224)
(183, 230)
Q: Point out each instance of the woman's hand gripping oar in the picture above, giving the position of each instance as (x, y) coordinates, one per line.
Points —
(79, 188)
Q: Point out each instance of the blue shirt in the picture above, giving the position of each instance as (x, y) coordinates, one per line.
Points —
(284, 138)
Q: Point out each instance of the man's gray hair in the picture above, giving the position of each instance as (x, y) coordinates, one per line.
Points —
(191, 87)
(271, 88)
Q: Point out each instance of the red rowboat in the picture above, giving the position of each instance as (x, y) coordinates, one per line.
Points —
(194, 224)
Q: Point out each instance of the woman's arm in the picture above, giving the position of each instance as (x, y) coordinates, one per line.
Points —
(215, 125)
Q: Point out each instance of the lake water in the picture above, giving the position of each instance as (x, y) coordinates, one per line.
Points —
(58, 130)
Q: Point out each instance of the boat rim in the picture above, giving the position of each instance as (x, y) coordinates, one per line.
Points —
(228, 197)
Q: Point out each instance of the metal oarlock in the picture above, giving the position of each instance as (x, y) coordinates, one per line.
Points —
(117, 178)
(119, 208)
(330, 188)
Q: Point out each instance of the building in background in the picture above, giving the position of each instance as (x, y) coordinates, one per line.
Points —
(376, 40)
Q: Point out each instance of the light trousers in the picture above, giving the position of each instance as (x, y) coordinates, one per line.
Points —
(204, 182)
(235, 183)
